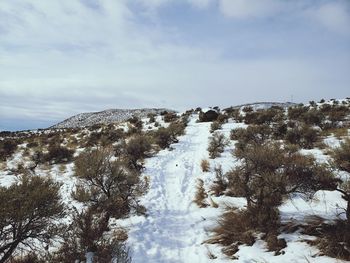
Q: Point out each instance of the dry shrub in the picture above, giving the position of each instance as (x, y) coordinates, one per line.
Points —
(220, 184)
(232, 231)
(201, 195)
(205, 165)
(333, 239)
(274, 243)
(137, 148)
(216, 125)
(106, 184)
(170, 117)
(7, 148)
(217, 144)
(341, 156)
(58, 154)
(87, 234)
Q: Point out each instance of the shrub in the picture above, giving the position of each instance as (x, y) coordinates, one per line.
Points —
(164, 137)
(210, 115)
(201, 195)
(30, 210)
(7, 148)
(58, 154)
(333, 239)
(87, 234)
(304, 136)
(252, 134)
(274, 243)
(341, 161)
(152, 117)
(107, 185)
(205, 165)
(170, 117)
(341, 156)
(220, 183)
(136, 149)
(269, 172)
(217, 144)
(216, 125)
(232, 231)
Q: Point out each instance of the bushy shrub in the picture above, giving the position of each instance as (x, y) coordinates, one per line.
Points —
(219, 185)
(170, 117)
(137, 148)
(58, 154)
(152, 117)
(266, 116)
(217, 144)
(7, 148)
(216, 125)
(304, 136)
(106, 184)
(87, 234)
(341, 156)
(30, 210)
(252, 134)
(268, 172)
(208, 116)
(164, 137)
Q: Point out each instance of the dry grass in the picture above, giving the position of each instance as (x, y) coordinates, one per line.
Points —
(205, 165)
(337, 132)
(232, 231)
(201, 195)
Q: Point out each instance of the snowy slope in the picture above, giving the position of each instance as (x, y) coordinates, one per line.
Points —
(105, 117)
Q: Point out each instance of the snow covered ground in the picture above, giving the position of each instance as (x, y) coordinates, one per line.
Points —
(175, 229)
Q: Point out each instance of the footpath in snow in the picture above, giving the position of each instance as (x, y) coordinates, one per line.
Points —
(174, 228)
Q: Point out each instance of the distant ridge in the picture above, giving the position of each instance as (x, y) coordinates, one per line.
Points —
(105, 117)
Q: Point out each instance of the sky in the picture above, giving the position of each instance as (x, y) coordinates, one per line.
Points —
(63, 57)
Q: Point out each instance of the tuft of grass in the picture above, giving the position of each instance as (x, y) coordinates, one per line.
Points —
(205, 165)
(201, 195)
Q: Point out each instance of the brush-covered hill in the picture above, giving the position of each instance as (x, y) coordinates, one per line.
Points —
(106, 117)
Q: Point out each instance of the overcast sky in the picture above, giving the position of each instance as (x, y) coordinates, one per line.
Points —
(62, 57)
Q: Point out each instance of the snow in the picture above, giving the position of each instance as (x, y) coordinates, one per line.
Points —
(174, 229)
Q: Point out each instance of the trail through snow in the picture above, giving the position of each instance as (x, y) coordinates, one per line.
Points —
(174, 229)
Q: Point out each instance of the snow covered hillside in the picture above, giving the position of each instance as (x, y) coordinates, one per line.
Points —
(105, 117)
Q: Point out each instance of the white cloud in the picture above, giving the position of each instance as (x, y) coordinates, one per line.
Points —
(333, 15)
(242, 9)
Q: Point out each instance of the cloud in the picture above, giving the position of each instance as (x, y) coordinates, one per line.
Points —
(333, 15)
(59, 58)
(242, 9)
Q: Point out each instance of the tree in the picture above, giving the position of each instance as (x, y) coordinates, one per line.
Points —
(28, 211)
